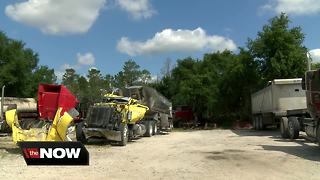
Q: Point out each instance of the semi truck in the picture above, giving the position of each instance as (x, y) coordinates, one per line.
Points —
(305, 119)
(135, 111)
(272, 103)
(115, 118)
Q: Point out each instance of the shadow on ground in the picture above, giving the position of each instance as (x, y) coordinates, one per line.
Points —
(15, 150)
(269, 132)
(303, 148)
(227, 155)
(6, 145)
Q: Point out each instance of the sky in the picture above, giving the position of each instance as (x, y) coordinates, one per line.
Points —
(103, 34)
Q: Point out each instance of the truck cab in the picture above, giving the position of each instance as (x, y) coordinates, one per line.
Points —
(307, 119)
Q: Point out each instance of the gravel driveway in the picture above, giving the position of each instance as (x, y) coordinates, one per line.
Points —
(206, 154)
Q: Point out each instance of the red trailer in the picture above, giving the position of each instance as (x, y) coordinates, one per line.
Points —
(183, 116)
(51, 96)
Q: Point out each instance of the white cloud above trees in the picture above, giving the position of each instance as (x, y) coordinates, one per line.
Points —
(181, 40)
(57, 16)
(293, 7)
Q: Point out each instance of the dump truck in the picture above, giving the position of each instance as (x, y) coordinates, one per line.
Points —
(51, 118)
(159, 114)
(305, 119)
(273, 102)
(115, 118)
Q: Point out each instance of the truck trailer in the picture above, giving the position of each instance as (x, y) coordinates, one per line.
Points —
(159, 114)
(273, 102)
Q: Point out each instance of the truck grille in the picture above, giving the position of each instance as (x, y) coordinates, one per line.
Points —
(99, 116)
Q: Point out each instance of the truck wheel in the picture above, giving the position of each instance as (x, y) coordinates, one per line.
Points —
(293, 127)
(4, 127)
(149, 128)
(258, 122)
(261, 125)
(170, 125)
(284, 127)
(318, 134)
(124, 134)
(154, 128)
(254, 123)
(79, 133)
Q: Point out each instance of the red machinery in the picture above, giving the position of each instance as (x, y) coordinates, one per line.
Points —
(51, 96)
(183, 116)
(184, 113)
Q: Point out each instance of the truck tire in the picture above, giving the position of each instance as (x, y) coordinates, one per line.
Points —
(293, 127)
(154, 128)
(79, 133)
(4, 127)
(261, 125)
(149, 129)
(318, 134)
(170, 125)
(258, 122)
(254, 123)
(284, 127)
(124, 134)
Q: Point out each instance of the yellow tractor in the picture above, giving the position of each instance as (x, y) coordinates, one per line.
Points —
(116, 118)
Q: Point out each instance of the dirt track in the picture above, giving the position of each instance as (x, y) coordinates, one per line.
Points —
(214, 154)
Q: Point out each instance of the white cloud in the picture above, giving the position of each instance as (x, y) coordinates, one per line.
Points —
(139, 9)
(85, 59)
(315, 55)
(67, 66)
(56, 16)
(294, 7)
(154, 78)
(59, 75)
(93, 68)
(60, 72)
(180, 40)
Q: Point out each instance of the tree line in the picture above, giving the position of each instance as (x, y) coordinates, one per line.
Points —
(91, 88)
(217, 86)
(19, 69)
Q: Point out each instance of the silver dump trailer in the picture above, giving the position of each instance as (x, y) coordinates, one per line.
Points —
(22, 104)
(160, 108)
(273, 102)
(26, 108)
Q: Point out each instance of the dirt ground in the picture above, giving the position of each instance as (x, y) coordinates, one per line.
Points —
(207, 154)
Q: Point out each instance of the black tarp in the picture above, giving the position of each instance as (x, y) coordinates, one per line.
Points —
(149, 97)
